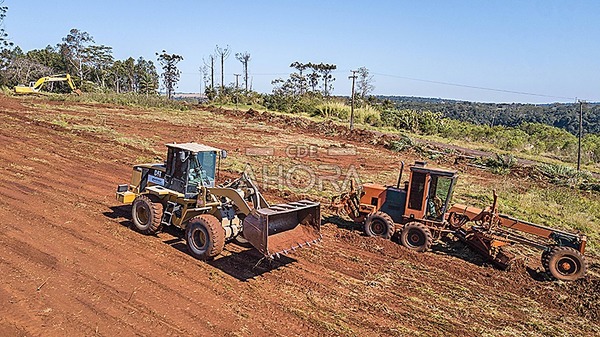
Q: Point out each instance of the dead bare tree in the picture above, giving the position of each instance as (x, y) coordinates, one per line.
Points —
(244, 58)
(210, 63)
(365, 82)
(223, 53)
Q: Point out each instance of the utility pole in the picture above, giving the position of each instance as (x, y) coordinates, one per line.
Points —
(201, 78)
(237, 76)
(353, 77)
(212, 73)
(580, 134)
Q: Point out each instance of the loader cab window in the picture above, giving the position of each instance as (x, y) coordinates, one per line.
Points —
(175, 177)
(417, 187)
(440, 189)
(202, 170)
(175, 167)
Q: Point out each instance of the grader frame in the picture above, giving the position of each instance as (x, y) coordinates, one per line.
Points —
(418, 214)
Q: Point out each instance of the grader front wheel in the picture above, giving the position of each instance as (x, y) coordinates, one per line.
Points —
(205, 237)
(564, 263)
(416, 236)
(146, 214)
(379, 224)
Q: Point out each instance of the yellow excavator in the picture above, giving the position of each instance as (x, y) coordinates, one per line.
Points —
(34, 87)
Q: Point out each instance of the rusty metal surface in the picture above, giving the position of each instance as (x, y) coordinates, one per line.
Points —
(280, 229)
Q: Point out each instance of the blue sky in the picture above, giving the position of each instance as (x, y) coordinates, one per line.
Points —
(543, 47)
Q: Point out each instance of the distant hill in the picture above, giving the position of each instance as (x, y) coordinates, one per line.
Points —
(561, 115)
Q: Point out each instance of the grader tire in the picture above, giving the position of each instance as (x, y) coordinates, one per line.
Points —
(564, 263)
(416, 236)
(146, 215)
(205, 237)
(379, 224)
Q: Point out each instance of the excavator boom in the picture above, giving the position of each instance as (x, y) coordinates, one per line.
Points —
(35, 87)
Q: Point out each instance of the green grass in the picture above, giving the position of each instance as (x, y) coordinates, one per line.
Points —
(557, 205)
(126, 99)
(554, 206)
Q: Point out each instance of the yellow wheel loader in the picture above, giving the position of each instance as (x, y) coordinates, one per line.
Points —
(182, 192)
(34, 87)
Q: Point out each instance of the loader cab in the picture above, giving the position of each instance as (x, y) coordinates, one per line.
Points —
(428, 192)
(191, 166)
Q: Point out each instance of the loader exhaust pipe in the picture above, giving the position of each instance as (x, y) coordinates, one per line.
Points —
(283, 228)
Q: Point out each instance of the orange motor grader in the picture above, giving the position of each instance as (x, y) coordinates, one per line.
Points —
(419, 213)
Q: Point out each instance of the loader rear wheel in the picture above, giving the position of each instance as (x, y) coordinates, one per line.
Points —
(146, 214)
(379, 224)
(205, 237)
(564, 263)
(416, 236)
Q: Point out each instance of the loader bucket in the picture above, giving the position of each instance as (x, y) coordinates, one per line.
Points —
(283, 228)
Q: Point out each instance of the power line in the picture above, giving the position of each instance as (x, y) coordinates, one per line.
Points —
(475, 87)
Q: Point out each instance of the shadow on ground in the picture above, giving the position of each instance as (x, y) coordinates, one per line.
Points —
(240, 261)
(446, 246)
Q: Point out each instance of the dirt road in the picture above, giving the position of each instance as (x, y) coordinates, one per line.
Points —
(71, 266)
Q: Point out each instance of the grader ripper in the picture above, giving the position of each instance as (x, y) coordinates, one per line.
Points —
(182, 193)
(419, 214)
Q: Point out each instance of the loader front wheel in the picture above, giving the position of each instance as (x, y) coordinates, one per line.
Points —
(564, 263)
(146, 215)
(416, 236)
(379, 224)
(205, 237)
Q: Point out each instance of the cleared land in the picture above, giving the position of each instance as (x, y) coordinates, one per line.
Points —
(71, 266)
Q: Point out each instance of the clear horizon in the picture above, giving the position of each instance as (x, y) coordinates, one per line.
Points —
(435, 49)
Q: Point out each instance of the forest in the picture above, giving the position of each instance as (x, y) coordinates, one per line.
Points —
(560, 115)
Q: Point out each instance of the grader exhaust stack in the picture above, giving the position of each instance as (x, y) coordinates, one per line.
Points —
(279, 229)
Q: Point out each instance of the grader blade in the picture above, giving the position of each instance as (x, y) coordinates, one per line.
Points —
(283, 228)
(488, 245)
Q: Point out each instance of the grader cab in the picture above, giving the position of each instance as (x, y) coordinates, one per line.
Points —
(415, 211)
(419, 214)
(182, 192)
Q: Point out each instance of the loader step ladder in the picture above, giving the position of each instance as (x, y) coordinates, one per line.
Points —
(168, 213)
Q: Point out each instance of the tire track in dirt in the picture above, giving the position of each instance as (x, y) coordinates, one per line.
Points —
(56, 201)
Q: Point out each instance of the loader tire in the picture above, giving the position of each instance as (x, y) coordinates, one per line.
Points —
(564, 263)
(205, 237)
(146, 214)
(416, 236)
(379, 224)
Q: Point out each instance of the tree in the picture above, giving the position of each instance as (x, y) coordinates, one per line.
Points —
(210, 91)
(244, 58)
(170, 73)
(4, 42)
(313, 77)
(50, 57)
(129, 73)
(117, 74)
(146, 77)
(100, 59)
(365, 82)
(22, 70)
(75, 50)
(301, 79)
(326, 69)
(223, 54)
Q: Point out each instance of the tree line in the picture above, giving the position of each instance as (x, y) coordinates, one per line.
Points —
(561, 115)
(93, 66)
